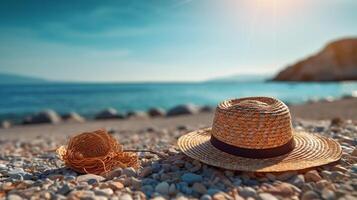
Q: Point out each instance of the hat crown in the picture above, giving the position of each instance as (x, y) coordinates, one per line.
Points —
(253, 123)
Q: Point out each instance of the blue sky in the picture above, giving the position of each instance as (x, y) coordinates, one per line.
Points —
(165, 40)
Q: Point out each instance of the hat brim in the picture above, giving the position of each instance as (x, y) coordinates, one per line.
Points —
(310, 150)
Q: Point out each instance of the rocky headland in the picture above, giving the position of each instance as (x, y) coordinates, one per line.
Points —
(336, 62)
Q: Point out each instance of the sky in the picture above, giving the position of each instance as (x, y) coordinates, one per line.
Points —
(165, 40)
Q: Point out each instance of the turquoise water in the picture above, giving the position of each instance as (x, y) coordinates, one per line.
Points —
(87, 99)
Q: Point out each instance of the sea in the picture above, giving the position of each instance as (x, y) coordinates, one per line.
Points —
(18, 101)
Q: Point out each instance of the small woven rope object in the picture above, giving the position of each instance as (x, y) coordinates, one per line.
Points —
(96, 153)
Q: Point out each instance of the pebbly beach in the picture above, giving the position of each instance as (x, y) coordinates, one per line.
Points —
(30, 168)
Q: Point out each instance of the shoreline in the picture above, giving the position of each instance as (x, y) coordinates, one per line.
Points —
(317, 111)
(339, 108)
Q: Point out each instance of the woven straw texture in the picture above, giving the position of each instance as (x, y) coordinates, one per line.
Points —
(95, 152)
(258, 123)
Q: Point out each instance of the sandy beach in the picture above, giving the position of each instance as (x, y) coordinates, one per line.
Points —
(29, 167)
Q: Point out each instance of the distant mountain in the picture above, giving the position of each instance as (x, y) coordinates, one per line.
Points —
(241, 78)
(336, 62)
(6, 79)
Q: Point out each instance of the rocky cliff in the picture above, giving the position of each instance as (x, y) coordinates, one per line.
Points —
(336, 62)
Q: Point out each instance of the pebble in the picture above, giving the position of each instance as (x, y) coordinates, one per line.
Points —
(298, 180)
(146, 171)
(130, 172)
(337, 176)
(136, 183)
(206, 197)
(286, 175)
(312, 176)
(328, 194)
(114, 173)
(326, 174)
(212, 191)
(339, 168)
(191, 178)
(3, 167)
(267, 196)
(199, 188)
(116, 185)
(172, 189)
(65, 189)
(247, 192)
(87, 177)
(283, 189)
(354, 168)
(310, 195)
(354, 152)
(162, 188)
(125, 197)
(104, 192)
(14, 197)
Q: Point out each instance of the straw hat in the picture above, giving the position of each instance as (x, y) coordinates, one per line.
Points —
(255, 134)
(95, 152)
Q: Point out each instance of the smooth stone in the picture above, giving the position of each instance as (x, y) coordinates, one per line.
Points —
(310, 195)
(199, 188)
(69, 178)
(247, 192)
(172, 189)
(87, 177)
(354, 152)
(162, 188)
(3, 167)
(92, 181)
(337, 176)
(99, 197)
(326, 174)
(14, 197)
(109, 113)
(283, 189)
(339, 168)
(212, 191)
(206, 108)
(136, 183)
(186, 190)
(191, 178)
(104, 192)
(137, 114)
(267, 196)
(116, 185)
(328, 194)
(182, 110)
(65, 189)
(73, 117)
(354, 168)
(46, 116)
(237, 182)
(298, 180)
(82, 194)
(147, 189)
(222, 196)
(129, 172)
(286, 175)
(312, 176)
(206, 197)
(146, 171)
(114, 173)
(157, 112)
(125, 197)
(149, 181)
